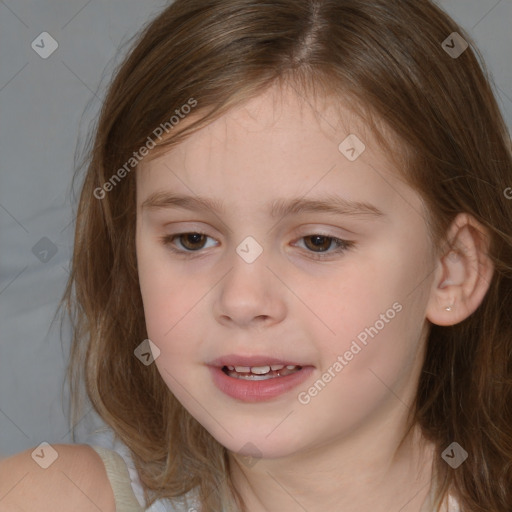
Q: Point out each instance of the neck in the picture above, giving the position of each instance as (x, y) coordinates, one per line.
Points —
(360, 474)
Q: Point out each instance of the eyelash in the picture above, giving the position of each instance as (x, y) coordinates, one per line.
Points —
(341, 245)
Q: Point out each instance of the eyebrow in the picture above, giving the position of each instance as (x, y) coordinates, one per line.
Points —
(278, 208)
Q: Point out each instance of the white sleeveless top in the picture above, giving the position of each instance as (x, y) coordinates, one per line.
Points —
(127, 488)
(124, 479)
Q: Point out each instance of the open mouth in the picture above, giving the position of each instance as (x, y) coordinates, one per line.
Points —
(260, 372)
(257, 382)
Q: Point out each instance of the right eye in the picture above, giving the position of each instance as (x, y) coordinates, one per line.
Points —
(192, 242)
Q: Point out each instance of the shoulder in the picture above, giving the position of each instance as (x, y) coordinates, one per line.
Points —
(57, 477)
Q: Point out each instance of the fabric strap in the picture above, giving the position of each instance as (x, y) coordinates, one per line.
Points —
(119, 478)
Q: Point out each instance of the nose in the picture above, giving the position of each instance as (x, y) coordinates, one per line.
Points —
(250, 293)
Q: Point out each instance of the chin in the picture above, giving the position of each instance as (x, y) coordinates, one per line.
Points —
(255, 444)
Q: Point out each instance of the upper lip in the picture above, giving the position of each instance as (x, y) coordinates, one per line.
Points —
(239, 360)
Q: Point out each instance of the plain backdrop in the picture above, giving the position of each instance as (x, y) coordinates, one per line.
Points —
(46, 105)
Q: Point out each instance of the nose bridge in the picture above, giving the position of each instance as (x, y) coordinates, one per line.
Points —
(247, 292)
(247, 278)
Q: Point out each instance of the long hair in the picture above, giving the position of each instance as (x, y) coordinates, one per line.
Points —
(390, 60)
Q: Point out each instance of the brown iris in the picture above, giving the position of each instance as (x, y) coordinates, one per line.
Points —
(318, 238)
(194, 237)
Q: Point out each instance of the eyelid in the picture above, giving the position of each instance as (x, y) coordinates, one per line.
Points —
(310, 229)
(315, 229)
(306, 229)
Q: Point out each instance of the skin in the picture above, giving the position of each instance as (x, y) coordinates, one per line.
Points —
(338, 451)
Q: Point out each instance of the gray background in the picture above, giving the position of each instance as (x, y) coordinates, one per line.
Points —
(46, 106)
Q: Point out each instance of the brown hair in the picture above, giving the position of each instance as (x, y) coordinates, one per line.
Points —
(387, 57)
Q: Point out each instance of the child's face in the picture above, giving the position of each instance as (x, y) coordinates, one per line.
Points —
(355, 319)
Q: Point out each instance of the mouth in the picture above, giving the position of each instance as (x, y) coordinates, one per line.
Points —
(257, 378)
(260, 372)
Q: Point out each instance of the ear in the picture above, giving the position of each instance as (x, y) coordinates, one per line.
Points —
(463, 273)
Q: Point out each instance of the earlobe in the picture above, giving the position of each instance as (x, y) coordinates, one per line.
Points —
(463, 274)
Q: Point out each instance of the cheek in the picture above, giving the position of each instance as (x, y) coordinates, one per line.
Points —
(165, 294)
(169, 326)
(155, 293)
(364, 287)
(375, 311)
(365, 373)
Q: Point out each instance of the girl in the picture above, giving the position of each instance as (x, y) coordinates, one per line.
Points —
(292, 272)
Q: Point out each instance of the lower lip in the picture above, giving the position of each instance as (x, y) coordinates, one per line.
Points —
(258, 390)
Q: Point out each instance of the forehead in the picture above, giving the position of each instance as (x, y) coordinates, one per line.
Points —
(281, 116)
(278, 143)
(284, 114)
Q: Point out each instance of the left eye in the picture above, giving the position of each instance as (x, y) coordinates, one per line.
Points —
(324, 242)
(316, 244)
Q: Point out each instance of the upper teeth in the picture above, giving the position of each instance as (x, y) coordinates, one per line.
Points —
(259, 370)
